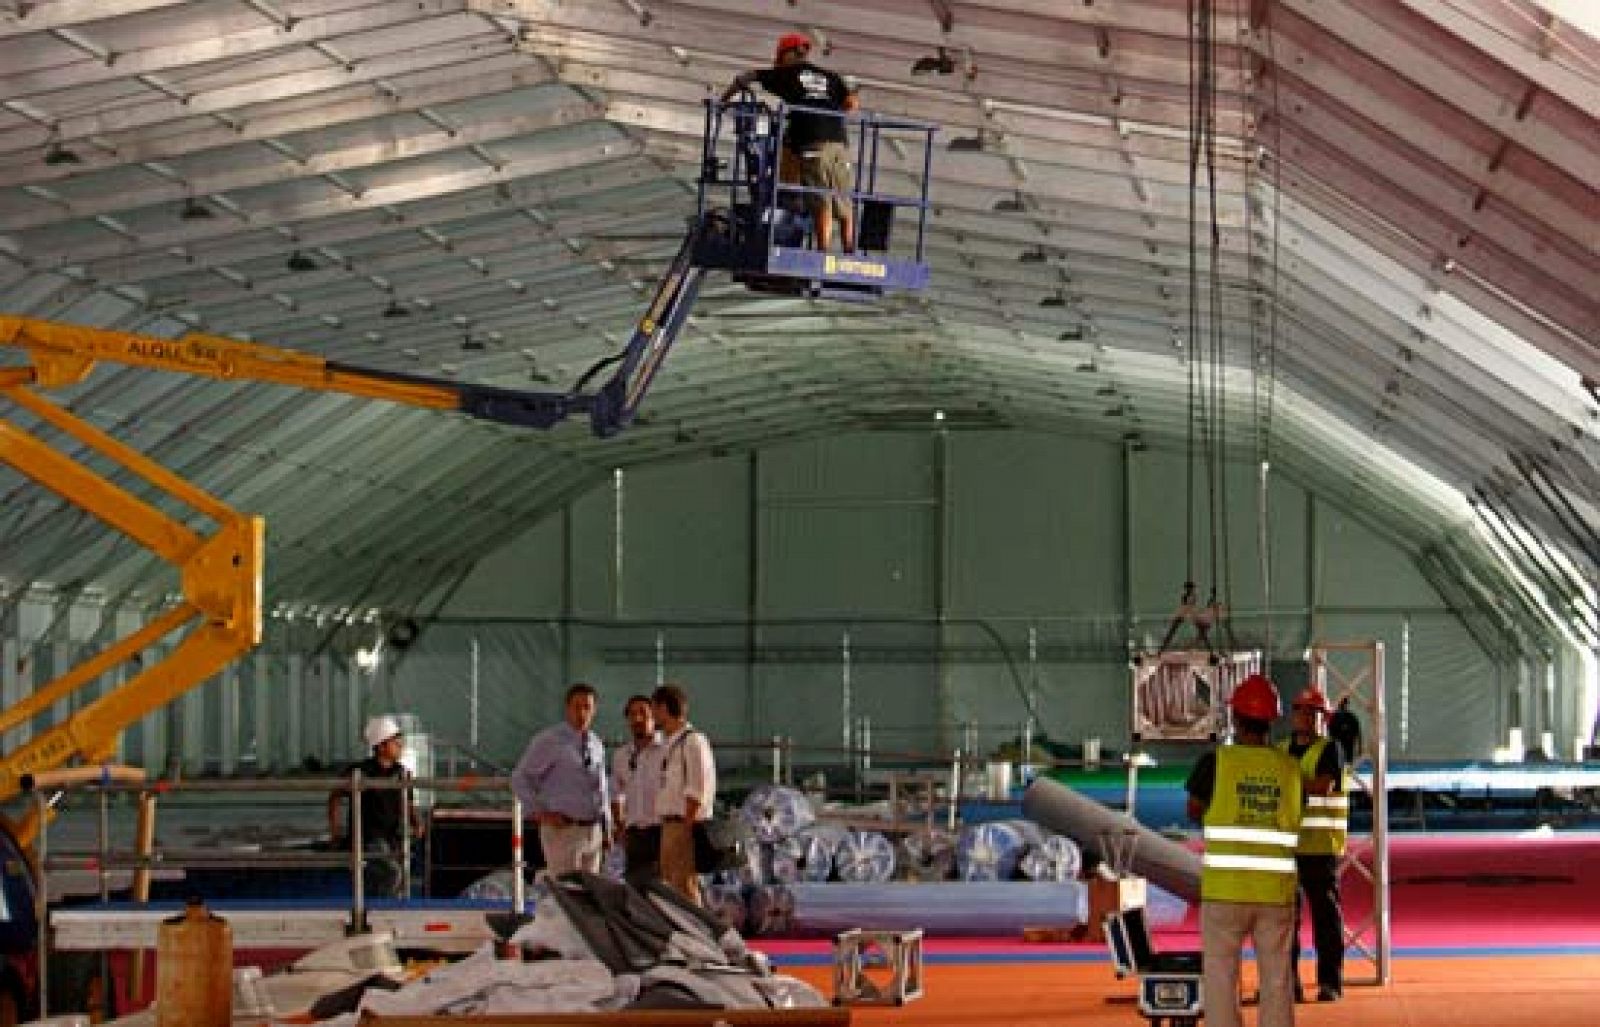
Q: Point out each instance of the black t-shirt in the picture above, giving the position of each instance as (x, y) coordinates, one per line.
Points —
(1203, 778)
(807, 85)
(1329, 764)
(1345, 728)
(380, 807)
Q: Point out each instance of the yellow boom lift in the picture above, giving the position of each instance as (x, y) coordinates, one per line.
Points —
(219, 615)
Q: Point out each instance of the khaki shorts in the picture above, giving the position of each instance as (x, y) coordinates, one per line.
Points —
(826, 167)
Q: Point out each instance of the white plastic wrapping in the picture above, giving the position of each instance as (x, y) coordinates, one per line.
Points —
(864, 857)
(775, 812)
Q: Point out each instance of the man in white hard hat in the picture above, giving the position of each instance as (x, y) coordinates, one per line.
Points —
(381, 819)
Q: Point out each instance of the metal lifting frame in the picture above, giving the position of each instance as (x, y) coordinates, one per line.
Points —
(1165, 706)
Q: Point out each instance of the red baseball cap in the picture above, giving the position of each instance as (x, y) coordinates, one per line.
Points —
(792, 41)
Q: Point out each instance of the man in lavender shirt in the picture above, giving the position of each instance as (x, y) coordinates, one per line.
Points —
(561, 780)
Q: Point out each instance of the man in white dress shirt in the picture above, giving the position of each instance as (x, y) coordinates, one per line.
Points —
(688, 788)
(635, 780)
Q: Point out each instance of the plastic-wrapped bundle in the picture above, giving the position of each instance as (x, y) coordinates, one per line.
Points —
(771, 910)
(864, 857)
(494, 887)
(615, 864)
(980, 908)
(725, 903)
(1162, 908)
(818, 845)
(989, 852)
(928, 855)
(1057, 858)
(773, 812)
(782, 861)
(1032, 834)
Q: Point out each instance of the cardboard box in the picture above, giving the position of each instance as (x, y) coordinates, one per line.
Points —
(1112, 897)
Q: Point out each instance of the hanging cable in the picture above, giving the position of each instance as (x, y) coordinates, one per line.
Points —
(1221, 525)
(1264, 415)
(1194, 361)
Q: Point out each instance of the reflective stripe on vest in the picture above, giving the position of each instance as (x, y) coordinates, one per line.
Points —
(1326, 823)
(1272, 864)
(1251, 827)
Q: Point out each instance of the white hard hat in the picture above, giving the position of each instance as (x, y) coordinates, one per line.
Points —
(381, 729)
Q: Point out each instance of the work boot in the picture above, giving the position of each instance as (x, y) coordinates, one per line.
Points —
(1326, 994)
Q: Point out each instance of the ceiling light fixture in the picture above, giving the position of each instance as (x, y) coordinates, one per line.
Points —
(56, 154)
(396, 309)
(939, 63)
(1075, 335)
(298, 262)
(1036, 255)
(1055, 299)
(1014, 204)
(194, 210)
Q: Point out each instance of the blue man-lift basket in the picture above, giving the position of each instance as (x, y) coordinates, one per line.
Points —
(757, 227)
(1169, 982)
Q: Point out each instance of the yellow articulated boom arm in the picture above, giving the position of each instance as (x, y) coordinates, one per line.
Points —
(221, 571)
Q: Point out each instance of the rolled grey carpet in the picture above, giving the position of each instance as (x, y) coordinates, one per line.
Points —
(1157, 859)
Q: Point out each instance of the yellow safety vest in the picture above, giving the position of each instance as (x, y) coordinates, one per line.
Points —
(1251, 827)
(1326, 823)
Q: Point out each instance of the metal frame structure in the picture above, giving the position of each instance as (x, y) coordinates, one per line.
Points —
(433, 924)
(485, 188)
(1356, 670)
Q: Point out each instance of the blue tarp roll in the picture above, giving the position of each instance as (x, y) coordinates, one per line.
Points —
(771, 910)
(1056, 858)
(864, 857)
(995, 908)
(928, 855)
(774, 812)
(819, 843)
(989, 852)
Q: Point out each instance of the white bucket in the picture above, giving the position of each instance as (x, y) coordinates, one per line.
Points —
(999, 779)
(250, 996)
(1091, 753)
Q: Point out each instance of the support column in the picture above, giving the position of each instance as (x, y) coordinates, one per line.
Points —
(944, 705)
(753, 727)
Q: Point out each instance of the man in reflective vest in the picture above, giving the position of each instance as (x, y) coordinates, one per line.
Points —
(1247, 797)
(1322, 838)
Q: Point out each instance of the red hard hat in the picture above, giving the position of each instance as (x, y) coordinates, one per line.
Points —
(792, 41)
(1313, 699)
(1257, 698)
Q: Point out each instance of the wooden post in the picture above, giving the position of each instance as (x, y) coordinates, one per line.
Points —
(143, 847)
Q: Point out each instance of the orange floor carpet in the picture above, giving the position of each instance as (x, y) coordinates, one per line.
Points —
(1547, 991)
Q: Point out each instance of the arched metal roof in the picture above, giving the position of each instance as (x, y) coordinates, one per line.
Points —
(1406, 202)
